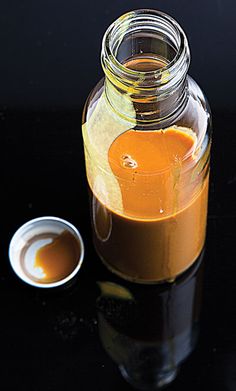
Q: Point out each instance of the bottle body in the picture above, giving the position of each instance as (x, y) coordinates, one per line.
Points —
(148, 173)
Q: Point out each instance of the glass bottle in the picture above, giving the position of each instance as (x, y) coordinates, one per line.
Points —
(147, 135)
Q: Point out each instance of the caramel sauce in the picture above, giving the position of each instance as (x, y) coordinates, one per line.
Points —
(146, 62)
(148, 165)
(59, 258)
(162, 229)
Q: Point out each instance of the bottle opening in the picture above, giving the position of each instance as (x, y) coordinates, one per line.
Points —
(147, 47)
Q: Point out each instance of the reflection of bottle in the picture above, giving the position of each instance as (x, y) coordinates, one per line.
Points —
(150, 330)
(146, 132)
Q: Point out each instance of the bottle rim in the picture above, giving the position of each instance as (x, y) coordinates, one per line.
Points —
(165, 78)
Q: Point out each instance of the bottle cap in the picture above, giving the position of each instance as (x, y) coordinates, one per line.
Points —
(46, 252)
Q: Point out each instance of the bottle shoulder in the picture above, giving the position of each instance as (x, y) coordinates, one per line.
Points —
(194, 113)
(197, 94)
(92, 100)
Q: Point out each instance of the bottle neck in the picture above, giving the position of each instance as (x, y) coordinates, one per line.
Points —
(145, 57)
(140, 108)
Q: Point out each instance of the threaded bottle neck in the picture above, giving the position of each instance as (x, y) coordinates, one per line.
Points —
(145, 55)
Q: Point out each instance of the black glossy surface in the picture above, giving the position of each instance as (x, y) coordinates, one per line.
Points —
(50, 340)
(49, 63)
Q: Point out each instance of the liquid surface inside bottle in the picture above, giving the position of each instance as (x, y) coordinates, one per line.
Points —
(146, 62)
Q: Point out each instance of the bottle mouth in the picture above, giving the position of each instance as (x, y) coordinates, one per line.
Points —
(145, 33)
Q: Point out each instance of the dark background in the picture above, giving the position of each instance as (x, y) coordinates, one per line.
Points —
(49, 62)
(50, 48)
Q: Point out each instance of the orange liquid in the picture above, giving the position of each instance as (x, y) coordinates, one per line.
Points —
(59, 258)
(161, 231)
